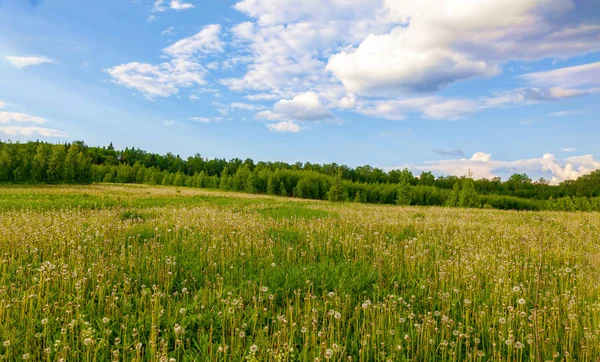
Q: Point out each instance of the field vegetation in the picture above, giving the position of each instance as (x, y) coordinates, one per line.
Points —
(134, 273)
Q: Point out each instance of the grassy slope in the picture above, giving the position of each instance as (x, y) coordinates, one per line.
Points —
(145, 272)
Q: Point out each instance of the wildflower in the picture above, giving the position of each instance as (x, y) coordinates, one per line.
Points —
(44, 321)
(264, 289)
(516, 288)
(6, 343)
(337, 315)
(521, 301)
(182, 311)
(328, 353)
(26, 356)
(518, 345)
(568, 270)
(365, 306)
(87, 341)
(242, 334)
(105, 320)
(502, 320)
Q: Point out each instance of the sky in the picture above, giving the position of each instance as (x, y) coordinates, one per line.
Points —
(494, 87)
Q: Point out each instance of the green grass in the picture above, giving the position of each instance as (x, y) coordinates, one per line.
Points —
(112, 272)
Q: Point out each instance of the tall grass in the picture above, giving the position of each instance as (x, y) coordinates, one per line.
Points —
(226, 277)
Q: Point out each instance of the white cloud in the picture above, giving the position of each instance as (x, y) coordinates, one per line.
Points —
(569, 77)
(432, 107)
(303, 107)
(483, 165)
(159, 6)
(2, 104)
(30, 131)
(245, 106)
(7, 117)
(388, 64)
(205, 119)
(161, 80)
(169, 122)
(560, 113)
(206, 41)
(568, 149)
(443, 42)
(178, 5)
(183, 70)
(168, 31)
(285, 126)
(22, 62)
(194, 97)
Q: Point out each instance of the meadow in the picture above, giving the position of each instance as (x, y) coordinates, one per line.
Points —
(142, 273)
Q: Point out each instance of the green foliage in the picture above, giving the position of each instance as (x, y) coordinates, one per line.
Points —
(468, 196)
(76, 163)
(453, 198)
(336, 191)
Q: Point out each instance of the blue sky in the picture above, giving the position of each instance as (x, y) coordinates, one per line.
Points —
(491, 86)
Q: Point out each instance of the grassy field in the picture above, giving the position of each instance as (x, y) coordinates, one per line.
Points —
(123, 273)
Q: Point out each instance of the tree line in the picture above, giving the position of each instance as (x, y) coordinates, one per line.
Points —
(77, 163)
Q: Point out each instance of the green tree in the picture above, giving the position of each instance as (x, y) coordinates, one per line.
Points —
(40, 163)
(55, 164)
(453, 197)
(271, 186)
(468, 196)
(224, 183)
(336, 191)
(282, 189)
(251, 183)
(404, 192)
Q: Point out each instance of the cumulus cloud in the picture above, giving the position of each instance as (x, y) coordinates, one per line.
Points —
(22, 62)
(30, 131)
(441, 43)
(7, 117)
(2, 104)
(303, 107)
(183, 70)
(285, 126)
(392, 49)
(483, 165)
